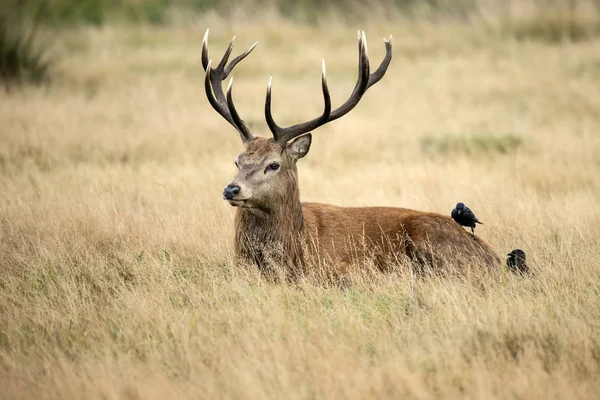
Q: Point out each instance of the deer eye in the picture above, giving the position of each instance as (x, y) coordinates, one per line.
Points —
(273, 167)
(236, 164)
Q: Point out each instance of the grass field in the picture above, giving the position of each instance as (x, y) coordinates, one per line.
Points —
(117, 277)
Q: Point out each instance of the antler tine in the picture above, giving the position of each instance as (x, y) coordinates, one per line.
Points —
(211, 98)
(364, 81)
(205, 59)
(236, 60)
(226, 55)
(234, 114)
(284, 135)
(275, 129)
(325, 88)
(214, 90)
(379, 72)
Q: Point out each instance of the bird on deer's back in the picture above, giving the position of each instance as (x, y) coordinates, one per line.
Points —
(465, 217)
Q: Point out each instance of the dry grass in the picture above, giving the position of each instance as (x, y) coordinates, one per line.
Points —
(116, 265)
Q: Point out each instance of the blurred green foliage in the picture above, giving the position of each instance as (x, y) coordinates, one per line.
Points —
(22, 57)
(98, 12)
(550, 20)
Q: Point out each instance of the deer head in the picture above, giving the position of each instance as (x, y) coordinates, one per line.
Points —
(267, 173)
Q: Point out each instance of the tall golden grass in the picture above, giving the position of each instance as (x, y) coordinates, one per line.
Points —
(117, 277)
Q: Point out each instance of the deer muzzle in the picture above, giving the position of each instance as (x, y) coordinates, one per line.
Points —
(231, 191)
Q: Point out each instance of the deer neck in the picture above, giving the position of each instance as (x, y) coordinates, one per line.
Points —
(272, 234)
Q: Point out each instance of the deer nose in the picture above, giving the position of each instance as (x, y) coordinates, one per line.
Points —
(231, 191)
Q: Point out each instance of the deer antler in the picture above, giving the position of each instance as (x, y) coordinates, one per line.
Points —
(214, 89)
(364, 82)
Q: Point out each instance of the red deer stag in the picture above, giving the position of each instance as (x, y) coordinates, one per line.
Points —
(273, 226)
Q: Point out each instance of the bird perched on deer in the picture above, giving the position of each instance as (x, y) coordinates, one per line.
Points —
(517, 262)
(465, 217)
(274, 228)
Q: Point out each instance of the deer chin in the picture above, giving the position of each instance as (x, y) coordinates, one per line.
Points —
(244, 203)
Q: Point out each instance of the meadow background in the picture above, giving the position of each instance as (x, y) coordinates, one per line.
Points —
(117, 278)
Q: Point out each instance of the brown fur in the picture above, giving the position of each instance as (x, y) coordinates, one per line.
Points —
(274, 227)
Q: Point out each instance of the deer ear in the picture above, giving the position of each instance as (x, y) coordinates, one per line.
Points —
(299, 147)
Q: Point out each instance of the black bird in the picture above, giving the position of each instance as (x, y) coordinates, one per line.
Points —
(465, 217)
(517, 262)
